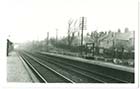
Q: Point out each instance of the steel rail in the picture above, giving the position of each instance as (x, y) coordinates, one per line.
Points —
(35, 70)
(69, 80)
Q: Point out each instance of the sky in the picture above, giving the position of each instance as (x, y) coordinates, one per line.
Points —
(26, 20)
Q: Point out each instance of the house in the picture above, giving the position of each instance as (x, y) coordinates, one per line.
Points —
(118, 39)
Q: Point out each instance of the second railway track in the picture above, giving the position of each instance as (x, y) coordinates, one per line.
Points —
(91, 74)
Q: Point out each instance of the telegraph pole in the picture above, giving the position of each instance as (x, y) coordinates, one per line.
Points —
(82, 28)
(47, 38)
(47, 43)
(56, 34)
(56, 37)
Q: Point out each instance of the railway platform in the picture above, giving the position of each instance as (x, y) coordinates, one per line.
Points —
(16, 71)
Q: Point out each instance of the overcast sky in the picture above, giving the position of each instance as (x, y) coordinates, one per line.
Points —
(27, 20)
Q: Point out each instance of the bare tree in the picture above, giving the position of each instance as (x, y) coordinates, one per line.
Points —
(71, 31)
(95, 37)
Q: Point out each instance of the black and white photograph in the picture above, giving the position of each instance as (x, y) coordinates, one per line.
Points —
(90, 43)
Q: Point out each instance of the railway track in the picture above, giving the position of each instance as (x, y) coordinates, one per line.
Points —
(43, 72)
(72, 72)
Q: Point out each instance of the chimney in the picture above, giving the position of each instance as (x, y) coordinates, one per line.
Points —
(119, 30)
(126, 30)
